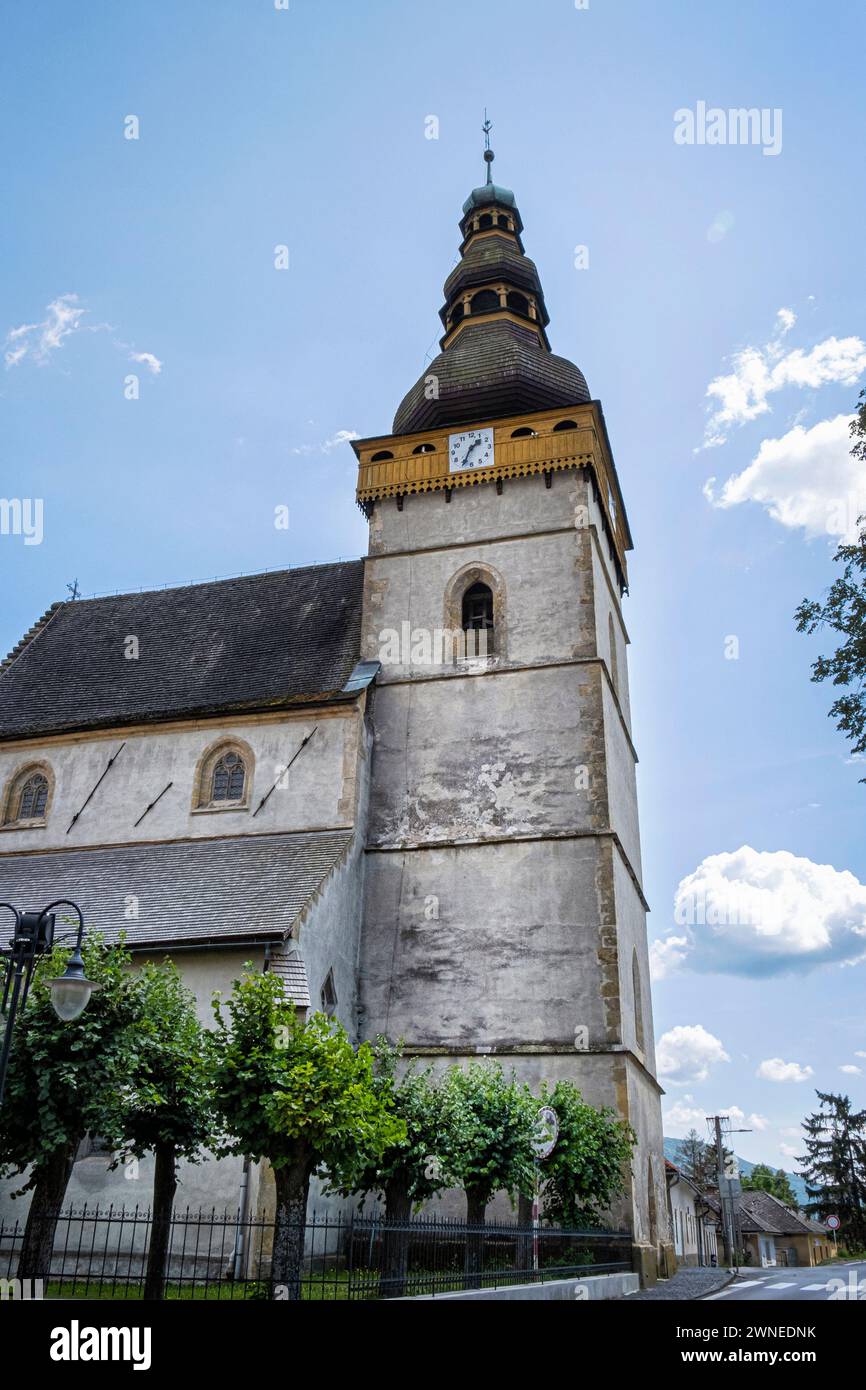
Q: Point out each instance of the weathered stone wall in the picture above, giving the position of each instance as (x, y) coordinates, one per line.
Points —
(503, 903)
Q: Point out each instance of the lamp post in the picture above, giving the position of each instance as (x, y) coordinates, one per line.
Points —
(34, 936)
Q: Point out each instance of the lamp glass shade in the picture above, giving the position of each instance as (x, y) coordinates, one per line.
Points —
(70, 995)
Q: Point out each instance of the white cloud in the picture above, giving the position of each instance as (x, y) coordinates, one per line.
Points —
(791, 1132)
(850, 1070)
(667, 956)
(788, 1151)
(757, 373)
(860, 1054)
(327, 445)
(759, 1122)
(762, 913)
(38, 340)
(774, 1069)
(808, 479)
(680, 1118)
(685, 1054)
(148, 360)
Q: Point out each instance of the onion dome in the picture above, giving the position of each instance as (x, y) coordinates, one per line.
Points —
(495, 357)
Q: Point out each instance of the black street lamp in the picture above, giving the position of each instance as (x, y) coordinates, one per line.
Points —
(34, 936)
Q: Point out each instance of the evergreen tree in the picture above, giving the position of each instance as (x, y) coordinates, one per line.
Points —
(763, 1179)
(697, 1160)
(835, 1165)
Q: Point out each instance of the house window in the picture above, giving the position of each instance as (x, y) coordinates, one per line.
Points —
(329, 995)
(27, 797)
(224, 777)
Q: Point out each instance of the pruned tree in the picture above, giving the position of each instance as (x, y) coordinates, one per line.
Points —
(410, 1170)
(843, 610)
(488, 1122)
(63, 1082)
(167, 1105)
(835, 1165)
(589, 1165)
(298, 1094)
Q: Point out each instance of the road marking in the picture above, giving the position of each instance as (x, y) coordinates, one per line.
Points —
(811, 1288)
(784, 1284)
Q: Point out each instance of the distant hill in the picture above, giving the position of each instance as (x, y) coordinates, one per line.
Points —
(798, 1186)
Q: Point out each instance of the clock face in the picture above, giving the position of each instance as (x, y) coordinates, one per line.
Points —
(470, 449)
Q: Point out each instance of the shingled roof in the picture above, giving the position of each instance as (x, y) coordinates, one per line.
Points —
(199, 892)
(260, 642)
(761, 1211)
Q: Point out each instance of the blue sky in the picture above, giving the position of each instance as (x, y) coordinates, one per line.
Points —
(306, 127)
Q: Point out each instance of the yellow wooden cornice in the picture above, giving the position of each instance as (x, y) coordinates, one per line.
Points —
(548, 450)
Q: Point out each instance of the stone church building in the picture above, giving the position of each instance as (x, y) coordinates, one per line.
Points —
(405, 783)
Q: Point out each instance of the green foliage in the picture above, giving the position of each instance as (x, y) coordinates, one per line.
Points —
(296, 1093)
(843, 609)
(169, 1098)
(763, 1179)
(415, 1101)
(488, 1123)
(588, 1166)
(64, 1077)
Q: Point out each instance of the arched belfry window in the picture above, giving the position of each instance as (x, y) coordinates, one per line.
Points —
(224, 777)
(638, 1001)
(478, 609)
(484, 300)
(475, 612)
(28, 795)
(564, 425)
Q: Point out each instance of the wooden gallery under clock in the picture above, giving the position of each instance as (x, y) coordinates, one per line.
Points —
(406, 783)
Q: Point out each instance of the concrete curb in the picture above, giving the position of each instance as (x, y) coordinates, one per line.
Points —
(732, 1274)
(590, 1289)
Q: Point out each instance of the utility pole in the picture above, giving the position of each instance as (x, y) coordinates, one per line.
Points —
(727, 1198)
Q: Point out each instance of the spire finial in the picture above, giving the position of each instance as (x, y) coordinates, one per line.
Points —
(488, 153)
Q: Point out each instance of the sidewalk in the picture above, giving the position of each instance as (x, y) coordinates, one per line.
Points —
(686, 1284)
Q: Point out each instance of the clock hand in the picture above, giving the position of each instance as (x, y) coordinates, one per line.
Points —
(473, 445)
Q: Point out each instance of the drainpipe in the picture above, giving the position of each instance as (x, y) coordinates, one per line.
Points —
(244, 1209)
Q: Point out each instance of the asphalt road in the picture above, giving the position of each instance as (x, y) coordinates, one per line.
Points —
(838, 1282)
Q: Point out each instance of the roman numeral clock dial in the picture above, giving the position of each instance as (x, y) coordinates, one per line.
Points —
(470, 449)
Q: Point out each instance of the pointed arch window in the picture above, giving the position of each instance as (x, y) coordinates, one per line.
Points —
(614, 665)
(224, 777)
(28, 796)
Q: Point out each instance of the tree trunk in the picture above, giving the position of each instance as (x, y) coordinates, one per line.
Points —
(476, 1205)
(293, 1189)
(525, 1238)
(164, 1188)
(52, 1180)
(395, 1253)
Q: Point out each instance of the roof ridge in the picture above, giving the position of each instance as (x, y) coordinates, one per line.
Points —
(30, 636)
(173, 587)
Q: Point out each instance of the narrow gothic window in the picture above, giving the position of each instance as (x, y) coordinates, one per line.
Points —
(33, 798)
(611, 636)
(329, 996)
(638, 1000)
(229, 776)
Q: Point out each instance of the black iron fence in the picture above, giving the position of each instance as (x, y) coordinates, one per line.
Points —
(101, 1253)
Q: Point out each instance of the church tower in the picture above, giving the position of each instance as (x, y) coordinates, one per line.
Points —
(504, 914)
